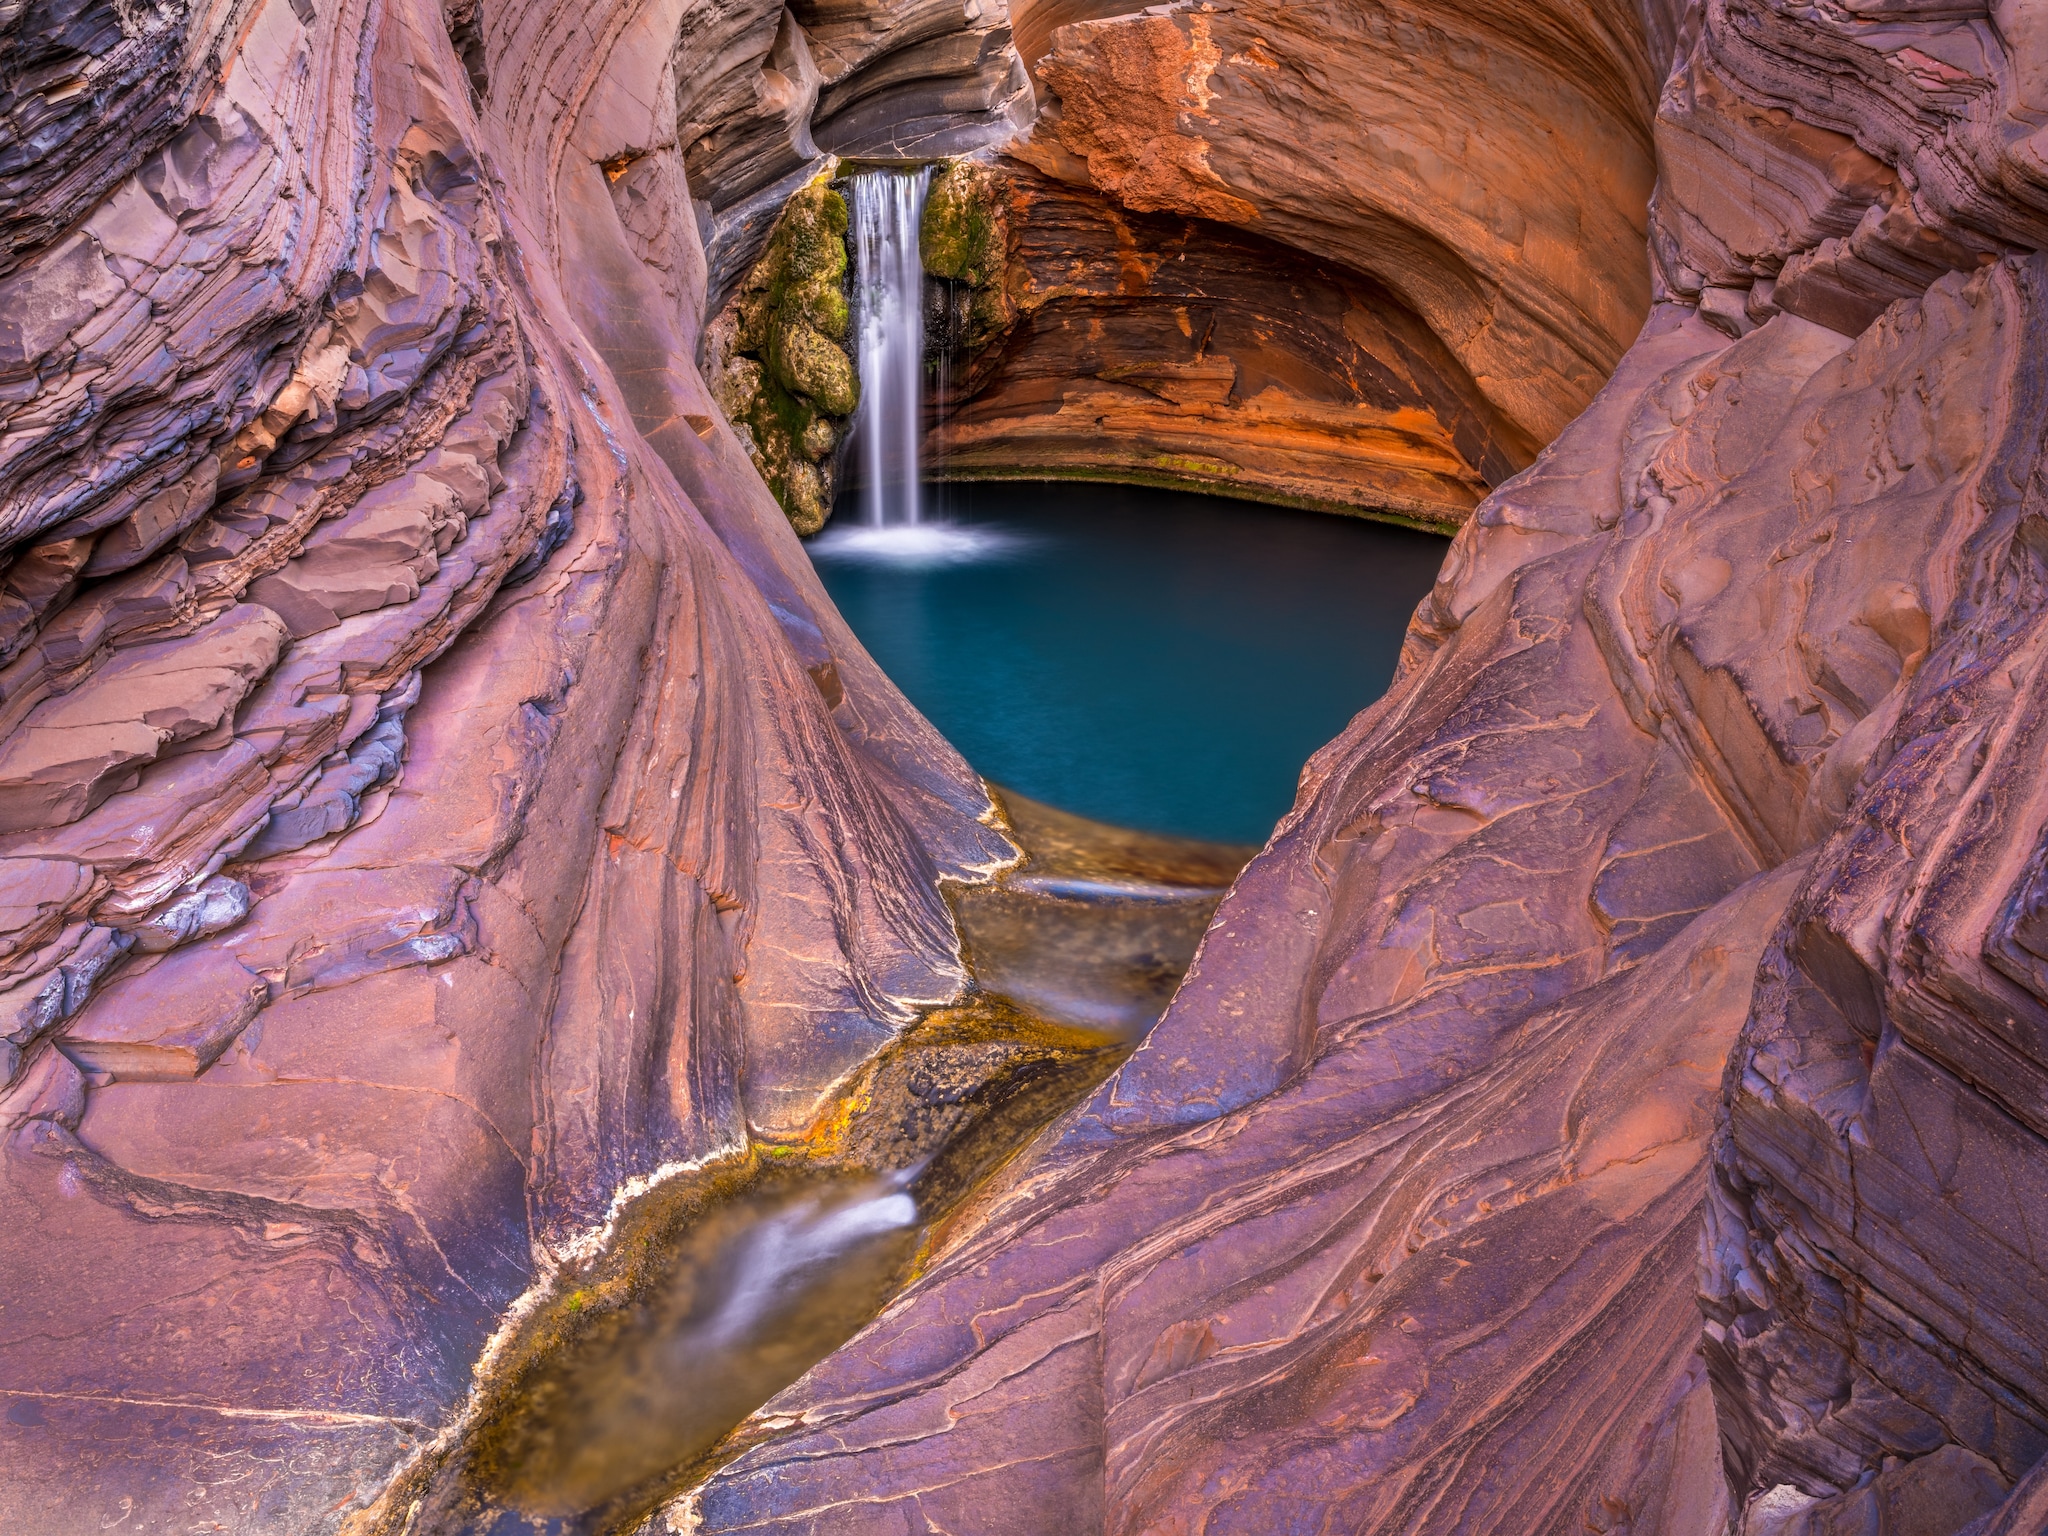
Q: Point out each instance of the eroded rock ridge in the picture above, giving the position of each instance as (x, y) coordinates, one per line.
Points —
(1612, 1100)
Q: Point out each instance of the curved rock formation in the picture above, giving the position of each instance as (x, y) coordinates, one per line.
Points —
(1429, 1204)
(1446, 212)
(434, 790)
(1489, 165)
(434, 786)
(1164, 350)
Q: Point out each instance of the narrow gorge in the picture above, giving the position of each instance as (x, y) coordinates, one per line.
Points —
(514, 1017)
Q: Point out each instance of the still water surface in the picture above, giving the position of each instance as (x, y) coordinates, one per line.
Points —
(1153, 659)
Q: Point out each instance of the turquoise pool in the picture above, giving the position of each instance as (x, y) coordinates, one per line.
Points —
(1156, 659)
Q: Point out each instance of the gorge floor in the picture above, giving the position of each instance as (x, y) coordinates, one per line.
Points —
(1138, 652)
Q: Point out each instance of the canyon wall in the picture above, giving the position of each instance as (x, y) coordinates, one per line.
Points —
(434, 790)
(1402, 246)
(1613, 1100)
(433, 786)
(1153, 349)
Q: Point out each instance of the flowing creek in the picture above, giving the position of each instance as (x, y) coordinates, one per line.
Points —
(1152, 659)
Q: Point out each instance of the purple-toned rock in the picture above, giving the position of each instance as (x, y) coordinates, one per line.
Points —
(1714, 744)
(417, 811)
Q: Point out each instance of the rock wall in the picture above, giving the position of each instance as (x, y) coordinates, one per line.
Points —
(1403, 244)
(1151, 348)
(778, 357)
(433, 786)
(1489, 165)
(1612, 1100)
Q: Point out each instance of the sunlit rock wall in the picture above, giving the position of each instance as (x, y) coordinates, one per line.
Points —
(1487, 164)
(1407, 242)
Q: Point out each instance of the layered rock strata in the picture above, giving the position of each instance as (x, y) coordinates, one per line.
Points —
(435, 788)
(1403, 246)
(595, 1404)
(1399, 1219)
(434, 791)
(1153, 349)
(1610, 1103)
(772, 89)
(1488, 165)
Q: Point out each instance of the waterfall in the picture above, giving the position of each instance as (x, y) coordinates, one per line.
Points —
(888, 307)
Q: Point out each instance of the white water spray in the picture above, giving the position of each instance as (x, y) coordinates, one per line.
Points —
(888, 307)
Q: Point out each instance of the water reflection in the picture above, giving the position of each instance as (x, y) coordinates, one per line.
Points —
(720, 1287)
(753, 1292)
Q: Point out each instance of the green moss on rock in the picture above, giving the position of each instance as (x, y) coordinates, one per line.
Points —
(808, 364)
(965, 232)
(820, 438)
(782, 374)
(964, 238)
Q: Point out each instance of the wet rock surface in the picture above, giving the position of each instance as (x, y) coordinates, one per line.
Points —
(435, 784)
(623, 1374)
(780, 366)
(964, 241)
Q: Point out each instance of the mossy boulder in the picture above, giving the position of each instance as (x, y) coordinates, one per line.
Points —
(808, 364)
(965, 233)
(964, 239)
(782, 373)
(820, 438)
(804, 497)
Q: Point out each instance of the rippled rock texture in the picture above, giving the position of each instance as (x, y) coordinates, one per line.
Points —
(1255, 249)
(1613, 1100)
(434, 789)
(1357, 258)
(433, 786)
(1154, 349)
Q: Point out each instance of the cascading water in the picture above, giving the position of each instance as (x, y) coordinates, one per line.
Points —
(895, 527)
(886, 207)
